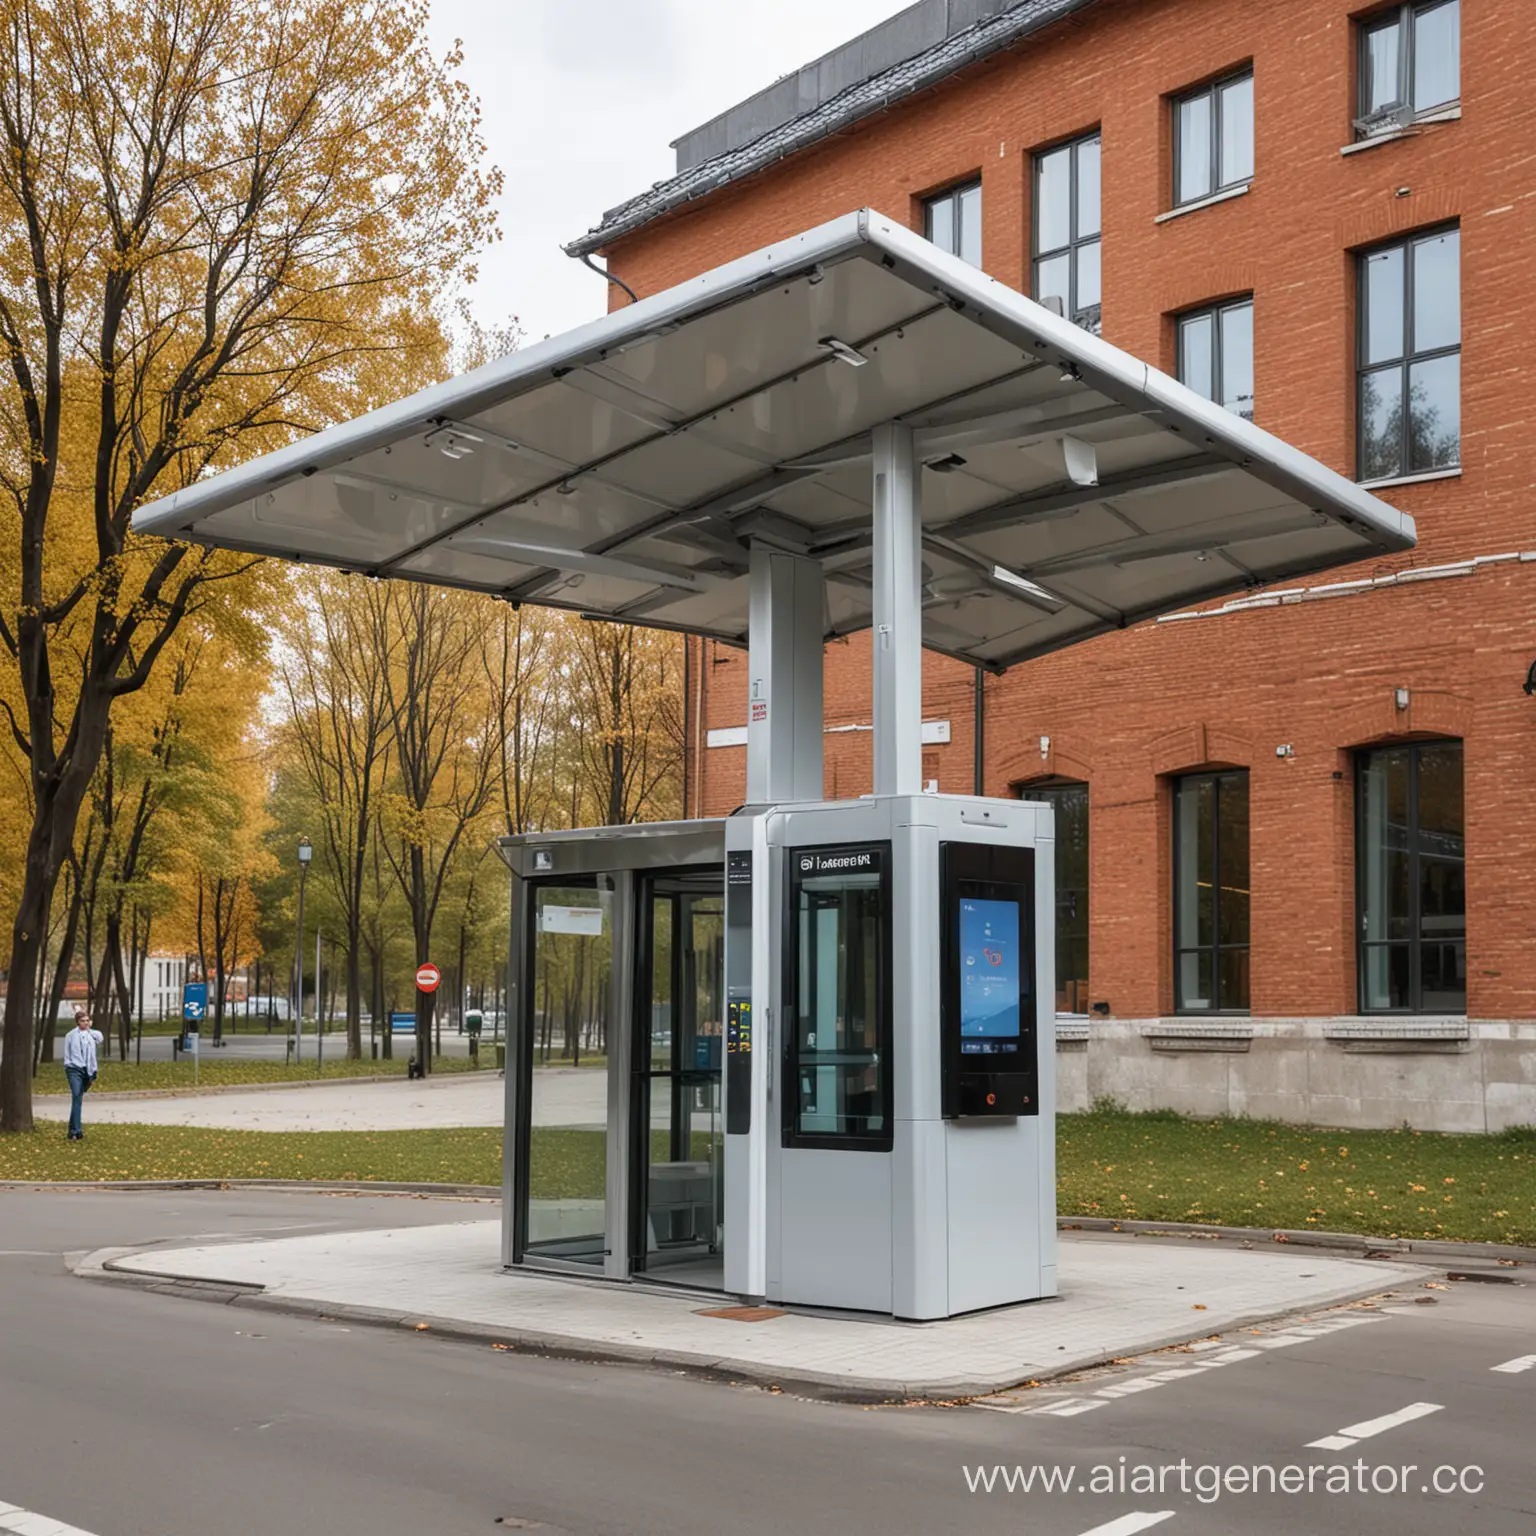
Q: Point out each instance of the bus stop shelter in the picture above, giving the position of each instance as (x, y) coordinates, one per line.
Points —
(847, 430)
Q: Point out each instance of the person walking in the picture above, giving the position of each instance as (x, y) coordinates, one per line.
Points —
(80, 1066)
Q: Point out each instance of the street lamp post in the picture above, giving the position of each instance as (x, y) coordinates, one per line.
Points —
(305, 854)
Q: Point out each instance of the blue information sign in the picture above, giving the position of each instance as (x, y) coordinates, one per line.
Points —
(194, 1004)
(402, 1023)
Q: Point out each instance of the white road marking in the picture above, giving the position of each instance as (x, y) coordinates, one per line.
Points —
(1351, 1433)
(1128, 1525)
(1514, 1367)
(17, 1521)
(1211, 1352)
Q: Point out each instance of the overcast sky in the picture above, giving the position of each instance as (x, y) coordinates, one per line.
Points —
(582, 99)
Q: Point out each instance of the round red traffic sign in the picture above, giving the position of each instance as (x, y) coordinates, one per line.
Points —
(427, 977)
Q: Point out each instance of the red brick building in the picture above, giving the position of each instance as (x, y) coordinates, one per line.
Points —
(1312, 810)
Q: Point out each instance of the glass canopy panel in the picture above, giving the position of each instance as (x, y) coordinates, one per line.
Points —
(667, 435)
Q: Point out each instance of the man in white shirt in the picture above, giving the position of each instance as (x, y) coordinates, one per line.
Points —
(80, 1066)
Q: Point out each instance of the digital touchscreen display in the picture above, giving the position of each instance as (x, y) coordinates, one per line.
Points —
(989, 976)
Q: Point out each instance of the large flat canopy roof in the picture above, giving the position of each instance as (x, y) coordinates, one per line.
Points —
(625, 469)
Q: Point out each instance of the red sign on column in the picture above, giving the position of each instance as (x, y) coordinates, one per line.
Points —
(427, 977)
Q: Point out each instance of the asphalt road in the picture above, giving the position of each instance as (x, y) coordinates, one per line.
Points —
(132, 1414)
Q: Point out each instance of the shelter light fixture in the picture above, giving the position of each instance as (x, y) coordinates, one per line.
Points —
(1070, 374)
(1001, 573)
(947, 465)
(842, 351)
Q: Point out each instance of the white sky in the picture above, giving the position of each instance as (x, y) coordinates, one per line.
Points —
(581, 100)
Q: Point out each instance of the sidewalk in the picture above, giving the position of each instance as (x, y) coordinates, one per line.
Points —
(1120, 1296)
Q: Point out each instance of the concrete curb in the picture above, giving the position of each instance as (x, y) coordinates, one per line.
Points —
(102, 1265)
(126, 1095)
(1411, 1249)
(1305, 1237)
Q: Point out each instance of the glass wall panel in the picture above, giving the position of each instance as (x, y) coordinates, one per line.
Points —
(569, 1024)
(839, 1089)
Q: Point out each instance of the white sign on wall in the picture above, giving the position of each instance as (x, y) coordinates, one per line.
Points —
(583, 920)
(728, 736)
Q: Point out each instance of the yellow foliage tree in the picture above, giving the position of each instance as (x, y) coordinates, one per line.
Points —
(222, 223)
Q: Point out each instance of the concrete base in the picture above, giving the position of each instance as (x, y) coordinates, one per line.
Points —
(1434, 1074)
(1120, 1296)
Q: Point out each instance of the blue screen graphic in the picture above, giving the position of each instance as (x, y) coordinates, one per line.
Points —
(989, 976)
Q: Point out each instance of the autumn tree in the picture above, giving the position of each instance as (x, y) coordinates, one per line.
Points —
(338, 644)
(444, 757)
(223, 223)
(626, 697)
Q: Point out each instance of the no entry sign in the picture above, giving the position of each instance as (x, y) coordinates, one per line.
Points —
(427, 977)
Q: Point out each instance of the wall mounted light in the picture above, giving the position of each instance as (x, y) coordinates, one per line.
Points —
(1285, 750)
(1400, 697)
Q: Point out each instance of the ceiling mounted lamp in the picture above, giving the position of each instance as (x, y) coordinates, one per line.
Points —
(842, 351)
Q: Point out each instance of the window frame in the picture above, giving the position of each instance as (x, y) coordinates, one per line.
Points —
(1213, 89)
(1408, 244)
(1414, 943)
(791, 1135)
(952, 195)
(1079, 316)
(1051, 792)
(1400, 112)
(1213, 312)
(1213, 776)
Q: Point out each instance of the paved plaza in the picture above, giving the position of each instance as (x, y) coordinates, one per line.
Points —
(1119, 1297)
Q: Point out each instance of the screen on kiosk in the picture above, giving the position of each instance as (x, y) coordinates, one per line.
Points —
(989, 976)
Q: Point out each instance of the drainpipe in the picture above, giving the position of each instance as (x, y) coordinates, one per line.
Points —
(979, 749)
(618, 282)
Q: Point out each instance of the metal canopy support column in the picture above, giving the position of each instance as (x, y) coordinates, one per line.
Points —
(621, 1006)
(784, 720)
(898, 614)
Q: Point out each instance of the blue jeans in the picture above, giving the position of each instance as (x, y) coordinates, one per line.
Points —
(76, 1076)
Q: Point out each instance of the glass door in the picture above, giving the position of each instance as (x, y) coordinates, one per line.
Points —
(567, 1023)
(679, 1202)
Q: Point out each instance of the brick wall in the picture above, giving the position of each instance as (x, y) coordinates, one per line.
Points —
(1126, 711)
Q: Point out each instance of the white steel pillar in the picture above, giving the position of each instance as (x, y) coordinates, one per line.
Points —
(898, 627)
(787, 617)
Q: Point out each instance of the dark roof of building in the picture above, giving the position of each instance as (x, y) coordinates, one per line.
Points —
(913, 51)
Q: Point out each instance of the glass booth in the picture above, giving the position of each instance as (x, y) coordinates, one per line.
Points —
(614, 1151)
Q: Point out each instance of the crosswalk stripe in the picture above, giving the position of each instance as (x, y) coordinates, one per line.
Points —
(1514, 1367)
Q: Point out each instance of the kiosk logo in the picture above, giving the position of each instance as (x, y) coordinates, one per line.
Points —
(836, 861)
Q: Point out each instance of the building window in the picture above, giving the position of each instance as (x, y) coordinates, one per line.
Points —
(1213, 139)
(1216, 354)
(1067, 230)
(1410, 356)
(1411, 866)
(1070, 802)
(1410, 64)
(1211, 898)
(953, 222)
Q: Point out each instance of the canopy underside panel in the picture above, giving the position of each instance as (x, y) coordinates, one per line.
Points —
(626, 471)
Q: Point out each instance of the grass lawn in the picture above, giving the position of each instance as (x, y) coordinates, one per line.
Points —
(217, 1071)
(1148, 1167)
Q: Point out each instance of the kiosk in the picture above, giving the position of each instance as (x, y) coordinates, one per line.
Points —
(825, 1028)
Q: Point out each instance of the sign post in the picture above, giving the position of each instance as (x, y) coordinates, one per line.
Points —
(194, 1009)
(428, 979)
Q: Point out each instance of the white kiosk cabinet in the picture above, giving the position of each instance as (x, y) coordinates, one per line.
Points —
(902, 1051)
